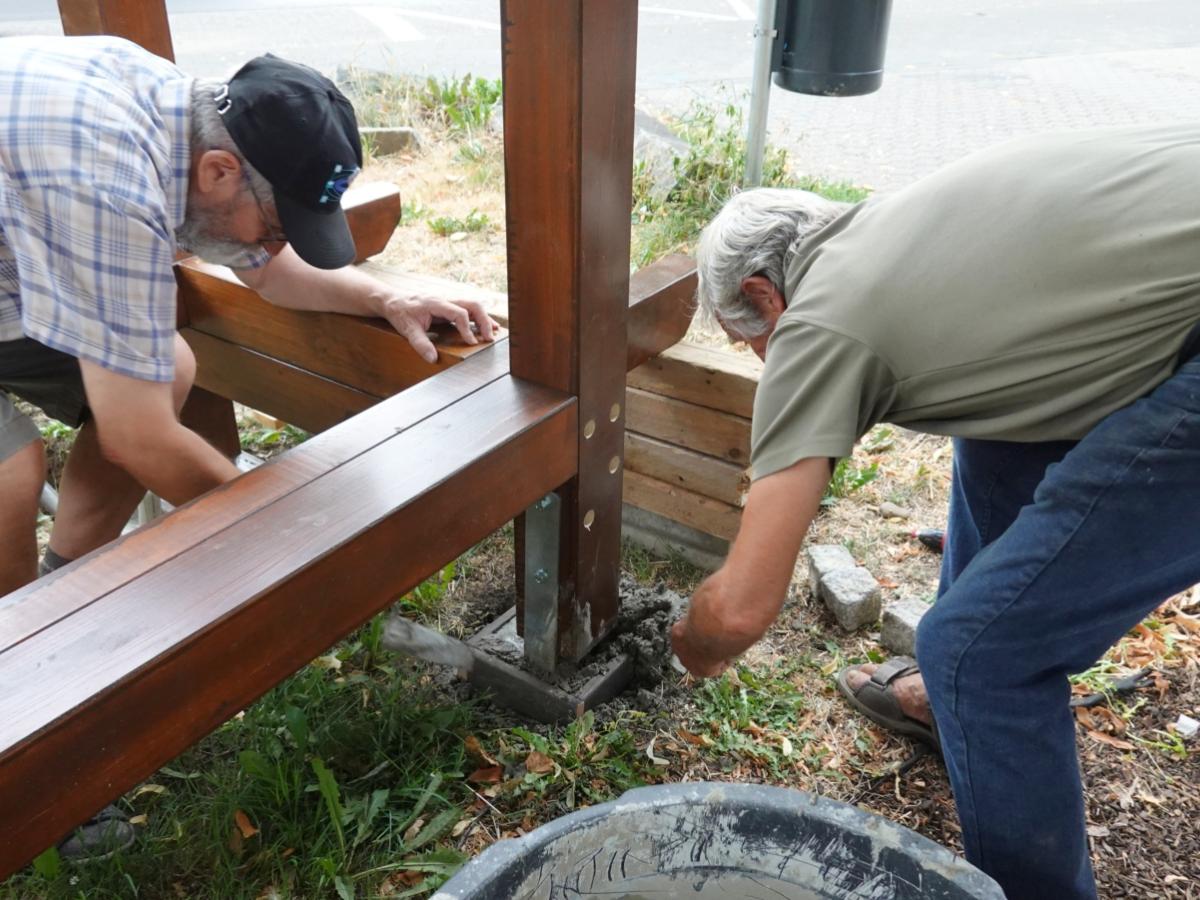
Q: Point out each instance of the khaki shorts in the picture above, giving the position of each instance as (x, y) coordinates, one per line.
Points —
(48, 379)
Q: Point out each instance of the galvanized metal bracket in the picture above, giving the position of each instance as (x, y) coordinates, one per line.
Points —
(542, 537)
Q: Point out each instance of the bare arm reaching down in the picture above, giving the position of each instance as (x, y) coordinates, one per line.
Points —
(138, 431)
(736, 605)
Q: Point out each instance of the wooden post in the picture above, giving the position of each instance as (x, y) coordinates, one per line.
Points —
(141, 21)
(569, 69)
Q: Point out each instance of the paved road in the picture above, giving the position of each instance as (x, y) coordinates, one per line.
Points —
(961, 74)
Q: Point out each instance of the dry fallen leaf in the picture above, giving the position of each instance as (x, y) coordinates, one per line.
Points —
(413, 830)
(538, 763)
(486, 775)
(244, 825)
(461, 826)
(330, 662)
(398, 882)
(656, 760)
(1103, 738)
(475, 751)
(149, 789)
(139, 820)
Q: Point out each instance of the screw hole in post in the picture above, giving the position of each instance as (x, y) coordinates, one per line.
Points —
(613, 465)
(588, 519)
(589, 429)
(615, 412)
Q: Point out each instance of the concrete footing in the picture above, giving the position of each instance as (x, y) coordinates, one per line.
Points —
(523, 692)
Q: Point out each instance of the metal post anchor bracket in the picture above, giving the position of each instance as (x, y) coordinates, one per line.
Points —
(542, 539)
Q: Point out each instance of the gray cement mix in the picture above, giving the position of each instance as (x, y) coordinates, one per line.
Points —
(643, 632)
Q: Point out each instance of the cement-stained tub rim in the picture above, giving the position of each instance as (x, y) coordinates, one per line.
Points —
(828, 831)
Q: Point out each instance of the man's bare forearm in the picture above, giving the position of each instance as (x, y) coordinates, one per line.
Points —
(176, 464)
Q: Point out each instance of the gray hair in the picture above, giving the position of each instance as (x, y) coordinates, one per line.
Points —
(209, 133)
(756, 233)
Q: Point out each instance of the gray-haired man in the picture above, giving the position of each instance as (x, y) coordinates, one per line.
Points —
(1037, 302)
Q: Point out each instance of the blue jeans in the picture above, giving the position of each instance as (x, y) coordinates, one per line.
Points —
(1054, 551)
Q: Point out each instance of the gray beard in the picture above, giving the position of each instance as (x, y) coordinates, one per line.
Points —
(199, 234)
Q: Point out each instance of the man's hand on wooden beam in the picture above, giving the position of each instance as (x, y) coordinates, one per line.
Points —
(413, 317)
(290, 282)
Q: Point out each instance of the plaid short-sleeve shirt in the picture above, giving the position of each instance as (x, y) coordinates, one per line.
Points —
(94, 158)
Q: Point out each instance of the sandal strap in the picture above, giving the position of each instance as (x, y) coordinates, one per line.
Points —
(896, 667)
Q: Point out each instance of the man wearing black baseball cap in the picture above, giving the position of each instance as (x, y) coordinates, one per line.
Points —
(116, 161)
(298, 130)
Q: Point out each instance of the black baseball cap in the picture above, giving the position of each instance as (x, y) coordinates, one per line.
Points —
(296, 128)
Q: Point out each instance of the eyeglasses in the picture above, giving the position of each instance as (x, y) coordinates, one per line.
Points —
(274, 230)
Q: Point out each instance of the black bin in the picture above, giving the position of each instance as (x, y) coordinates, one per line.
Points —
(833, 48)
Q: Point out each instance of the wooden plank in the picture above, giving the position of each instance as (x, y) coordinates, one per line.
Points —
(661, 300)
(211, 416)
(130, 681)
(680, 505)
(704, 430)
(293, 395)
(687, 469)
(51, 599)
(366, 354)
(661, 305)
(569, 68)
(373, 212)
(141, 21)
(713, 377)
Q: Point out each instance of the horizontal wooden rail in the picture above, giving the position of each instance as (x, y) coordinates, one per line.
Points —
(661, 306)
(289, 393)
(128, 681)
(62, 593)
(365, 354)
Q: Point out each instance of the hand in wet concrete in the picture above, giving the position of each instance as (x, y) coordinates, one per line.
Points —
(909, 692)
(689, 655)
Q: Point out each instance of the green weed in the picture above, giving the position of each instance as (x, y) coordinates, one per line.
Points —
(706, 176)
(425, 597)
(447, 226)
(462, 104)
(847, 478)
(261, 440)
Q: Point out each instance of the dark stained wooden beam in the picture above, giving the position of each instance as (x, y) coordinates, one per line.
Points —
(662, 302)
(568, 108)
(286, 392)
(373, 212)
(211, 416)
(133, 678)
(61, 594)
(365, 354)
(141, 21)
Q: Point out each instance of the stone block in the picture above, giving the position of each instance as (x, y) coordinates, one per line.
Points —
(852, 595)
(900, 621)
(824, 559)
(387, 141)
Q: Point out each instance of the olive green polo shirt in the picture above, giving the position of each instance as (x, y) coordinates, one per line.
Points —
(1021, 294)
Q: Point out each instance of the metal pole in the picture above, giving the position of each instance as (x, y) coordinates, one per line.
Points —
(760, 92)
